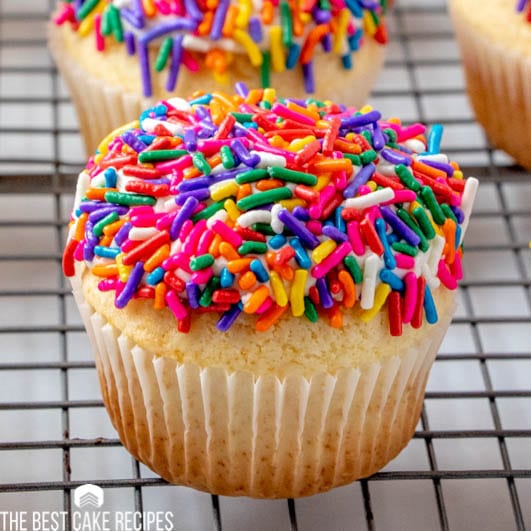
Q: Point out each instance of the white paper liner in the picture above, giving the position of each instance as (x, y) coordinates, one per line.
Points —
(499, 88)
(233, 433)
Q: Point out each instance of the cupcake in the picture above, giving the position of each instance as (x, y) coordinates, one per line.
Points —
(117, 57)
(266, 283)
(495, 41)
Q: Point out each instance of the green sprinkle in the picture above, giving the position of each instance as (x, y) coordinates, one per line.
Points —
(424, 222)
(201, 163)
(124, 198)
(106, 28)
(286, 23)
(265, 105)
(324, 5)
(227, 158)
(252, 247)
(292, 176)
(116, 23)
(263, 198)
(242, 117)
(367, 135)
(315, 102)
(86, 8)
(310, 311)
(206, 297)
(263, 228)
(201, 262)
(102, 223)
(265, 70)
(210, 210)
(405, 175)
(251, 176)
(391, 133)
(405, 248)
(354, 269)
(355, 159)
(448, 212)
(410, 222)
(368, 156)
(427, 194)
(161, 154)
(164, 53)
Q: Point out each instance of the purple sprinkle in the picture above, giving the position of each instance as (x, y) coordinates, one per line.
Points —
(321, 16)
(96, 215)
(200, 195)
(334, 233)
(91, 206)
(520, 5)
(361, 178)
(91, 238)
(132, 18)
(298, 228)
(219, 20)
(326, 43)
(378, 138)
(324, 294)
(446, 168)
(204, 182)
(130, 286)
(138, 8)
(143, 59)
(228, 318)
(193, 294)
(122, 233)
(130, 46)
(191, 9)
(399, 226)
(458, 214)
(133, 141)
(241, 151)
(183, 214)
(88, 251)
(175, 65)
(309, 81)
(255, 29)
(203, 113)
(190, 139)
(241, 88)
(361, 119)
(176, 25)
(395, 158)
(301, 213)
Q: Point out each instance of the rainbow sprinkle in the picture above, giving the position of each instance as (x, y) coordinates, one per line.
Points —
(524, 6)
(251, 203)
(279, 36)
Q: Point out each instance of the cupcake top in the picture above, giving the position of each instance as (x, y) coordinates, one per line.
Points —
(274, 34)
(268, 206)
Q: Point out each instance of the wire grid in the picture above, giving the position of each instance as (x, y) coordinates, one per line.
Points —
(473, 442)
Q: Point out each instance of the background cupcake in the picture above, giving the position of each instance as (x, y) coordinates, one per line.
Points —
(116, 56)
(265, 301)
(495, 41)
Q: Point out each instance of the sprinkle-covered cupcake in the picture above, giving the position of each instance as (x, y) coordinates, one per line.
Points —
(495, 41)
(116, 56)
(266, 283)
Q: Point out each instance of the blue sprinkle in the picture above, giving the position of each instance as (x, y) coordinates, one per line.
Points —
(429, 307)
(155, 276)
(259, 270)
(228, 318)
(293, 56)
(458, 231)
(339, 222)
(110, 177)
(355, 8)
(158, 110)
(393, 280)
(347, 61)
(226, 278)
(193, 294)
(147, 139)
(389, 258)
(202, 100)
(300, 253)
(277, 241)
(434, 139)
(106, 252)
(458, 214)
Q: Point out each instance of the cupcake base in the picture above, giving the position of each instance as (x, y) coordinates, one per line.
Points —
(234, 433)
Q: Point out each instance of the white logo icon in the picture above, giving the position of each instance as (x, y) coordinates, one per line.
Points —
(88, 495)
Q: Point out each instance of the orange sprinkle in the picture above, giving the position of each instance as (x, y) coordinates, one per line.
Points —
(191, 173)
(286, 272)
(217, 110)
(268, 12)
(332, 165)
(214, 161)
(224, 99)
(270, 317)
(298, 25)
(335, 316)
(243, 191)
(212, 4)
(449, 229)
(257, 299)
(268, 184)
(230, 21)
(228, 251)
(206, 24)
(314, 37)
(428, 170)
(107, 270)
(349, 289)
(97, 194)
(160, 293)
(306, 111)
(278, 141)
(149, 8)
(157, 258)
(112, 228)
(247, 281)
(254, 96)
(239, 265)
(214, 246)
(80, 227)
(106, 241)
(347, 147)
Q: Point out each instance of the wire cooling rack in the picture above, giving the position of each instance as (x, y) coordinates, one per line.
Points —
(469, 463)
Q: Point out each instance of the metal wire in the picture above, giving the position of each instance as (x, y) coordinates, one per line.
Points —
(28, 177)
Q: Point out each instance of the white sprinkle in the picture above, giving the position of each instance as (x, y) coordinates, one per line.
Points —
(439, 157)
(432, 281)
(269, 159)
(368, 200)
(180, 104)
(467, 202)
(254, 216)
(82, 184)
(276, 224)
(149, 125)
(369, 281)
(415, 145)
(220, 215)
(142, 233)
(170, 205)
(435, 252)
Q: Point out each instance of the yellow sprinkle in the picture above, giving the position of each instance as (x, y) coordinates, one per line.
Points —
(372, 185)
(323, 250)
(87, 24)
(368, 23)
(322, 124)
(270, 95)
(223, 189)
(296, 296)
(290, 204)
(221, 78)
(458, 174)
(366, 108)
(305, 18)
(380, 296)
(341, 30)
(232, 210)
(322, 181)
(254, 53)
(103, 147)
(123, 270)
(242, 20)
(277, 286)
(299, 143)
(278, 61)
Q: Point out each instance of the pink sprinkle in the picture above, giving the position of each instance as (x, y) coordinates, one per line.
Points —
(210, 147)
(455, 200)
(180, 164)
(203, 276)
(445, 276)
(100, 41)
(227, 233)
(283, 111)
(163, 7)
(146, 220)
(332, 260)
(187, 227)
(340, 177)
(364, 190)
(354, 236)
(402, 196)
(176, 260)
(107, 284)
(190, 244)
(288, 155)
(457, 267)
(78, 253)
(175, 305)
(189, 61)
(265, 306)
(327, 193)
(410, 297)
(411, 131)
(165, 221)
(204, 242)
(141, 210)
(314, 226)
(404, 261)
(66, 13)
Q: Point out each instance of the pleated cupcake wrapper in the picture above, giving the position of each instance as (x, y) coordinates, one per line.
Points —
(232, 433)
(101, 108)
(499, 88)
